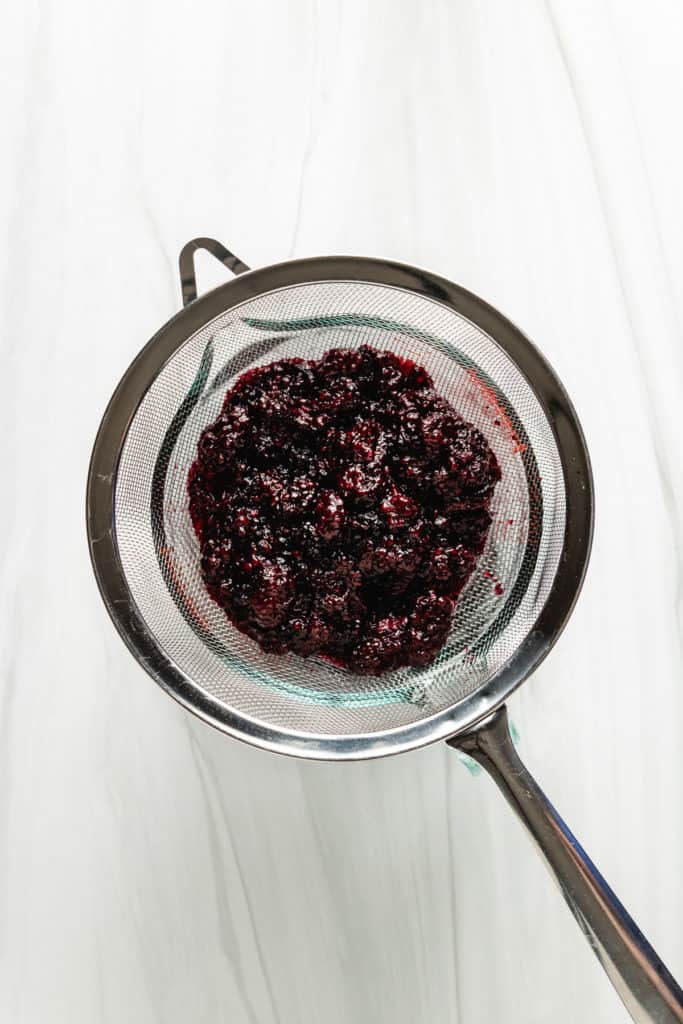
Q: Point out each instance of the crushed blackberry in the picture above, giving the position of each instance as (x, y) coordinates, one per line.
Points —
(340, 505)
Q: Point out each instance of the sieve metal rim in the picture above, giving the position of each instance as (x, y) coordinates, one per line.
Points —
(148, 364)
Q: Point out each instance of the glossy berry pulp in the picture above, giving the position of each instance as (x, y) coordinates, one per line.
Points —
(340, 506)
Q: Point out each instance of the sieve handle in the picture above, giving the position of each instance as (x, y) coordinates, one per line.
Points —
(650, 994)
(188, 279)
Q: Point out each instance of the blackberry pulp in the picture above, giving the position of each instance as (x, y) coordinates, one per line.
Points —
(340, 506)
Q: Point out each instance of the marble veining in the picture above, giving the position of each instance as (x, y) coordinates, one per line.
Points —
(151, 870)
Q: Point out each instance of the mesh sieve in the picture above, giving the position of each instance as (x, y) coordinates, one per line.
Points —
(146, 557)
(159, 554)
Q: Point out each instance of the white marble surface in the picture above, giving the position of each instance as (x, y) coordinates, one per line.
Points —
(152, 870)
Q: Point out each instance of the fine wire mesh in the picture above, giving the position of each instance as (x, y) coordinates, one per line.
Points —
(160, 554)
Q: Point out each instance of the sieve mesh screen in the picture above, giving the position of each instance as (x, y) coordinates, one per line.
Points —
(160, 554)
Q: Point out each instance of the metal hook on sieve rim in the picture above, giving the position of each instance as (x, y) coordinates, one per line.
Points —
(188, 279)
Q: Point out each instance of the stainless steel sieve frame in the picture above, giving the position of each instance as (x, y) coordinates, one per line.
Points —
(477, 724)
(199, 312)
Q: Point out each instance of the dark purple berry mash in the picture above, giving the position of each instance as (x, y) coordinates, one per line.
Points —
(340, 505)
